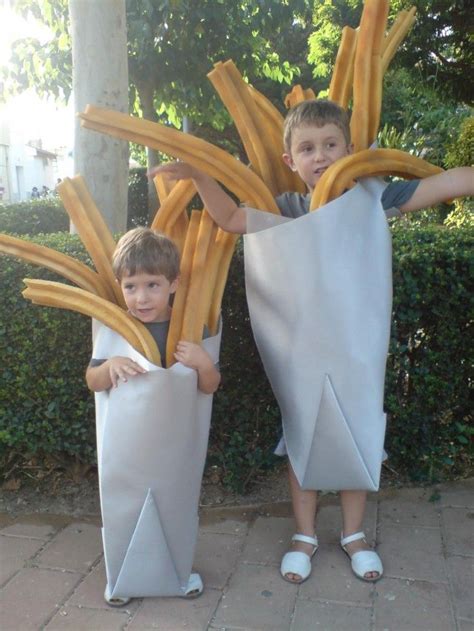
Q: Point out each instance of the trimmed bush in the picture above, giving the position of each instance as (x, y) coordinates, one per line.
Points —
(45, 407)
(34, 217)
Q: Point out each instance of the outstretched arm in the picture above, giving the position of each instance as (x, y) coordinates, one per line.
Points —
(194, 356)
(438, 188)
(219, 204)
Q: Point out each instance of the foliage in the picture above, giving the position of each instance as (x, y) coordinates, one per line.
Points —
(46, 409)
(137, 198)
(427, 398)
(461, 153)
(33, 217)
(436, 51)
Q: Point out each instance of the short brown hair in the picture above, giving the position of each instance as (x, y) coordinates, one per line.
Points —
(144, 250)
(317, 112)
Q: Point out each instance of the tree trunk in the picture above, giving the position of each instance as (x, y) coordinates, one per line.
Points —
(146, 95)
(100, 77)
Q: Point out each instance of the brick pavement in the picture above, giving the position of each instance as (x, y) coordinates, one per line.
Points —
(52, 573)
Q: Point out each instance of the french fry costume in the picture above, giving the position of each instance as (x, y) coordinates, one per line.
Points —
(319, 292)
(152, 431)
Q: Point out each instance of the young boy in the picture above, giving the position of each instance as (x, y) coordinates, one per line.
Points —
(316, 134)
(146, 264)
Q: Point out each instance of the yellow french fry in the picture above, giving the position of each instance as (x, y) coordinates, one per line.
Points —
(72, 269)
(52, 294)
(370, 162)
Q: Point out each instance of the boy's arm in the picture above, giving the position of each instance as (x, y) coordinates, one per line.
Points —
(219, 204)
(441, 187)
(110, 372)
(194, 356)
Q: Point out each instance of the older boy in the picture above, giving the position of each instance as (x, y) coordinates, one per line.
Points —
(316, 134)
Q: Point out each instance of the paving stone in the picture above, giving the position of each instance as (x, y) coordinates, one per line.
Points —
(326, 616)
(216, 557)
(268, 540)
(14, 552)
(403, 605)
(76, 547)
(332, 579)
(329, 523)
(417, 512)
(172, 614)
(458, 529)
(459, 493)
(29, 530)
(32, 597)
(224, 526)
(414, 553)
(90, 592)
(461, 574)
(82, 619)
(257, 598)
(465, 625)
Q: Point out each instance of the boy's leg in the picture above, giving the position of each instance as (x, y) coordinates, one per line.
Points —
(304, 510)
(353, 510)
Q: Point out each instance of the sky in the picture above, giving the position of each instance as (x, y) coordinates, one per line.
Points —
(30, 117)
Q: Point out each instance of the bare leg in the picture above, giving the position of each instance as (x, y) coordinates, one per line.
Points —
(304, 510)
(353, 509)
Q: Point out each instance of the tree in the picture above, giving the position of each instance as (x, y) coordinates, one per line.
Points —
(99, 65)
(438, 48)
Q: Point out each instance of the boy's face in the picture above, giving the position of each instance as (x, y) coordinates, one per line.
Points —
(147, 296)
(314, 149)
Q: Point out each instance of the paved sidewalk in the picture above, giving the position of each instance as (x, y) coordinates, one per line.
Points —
(52, 572)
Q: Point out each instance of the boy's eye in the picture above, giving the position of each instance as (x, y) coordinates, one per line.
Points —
(128, 287)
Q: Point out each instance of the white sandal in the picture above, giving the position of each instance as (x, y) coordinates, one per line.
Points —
(298, 562)
(363, 561)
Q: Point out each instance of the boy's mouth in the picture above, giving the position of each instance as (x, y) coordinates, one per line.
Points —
(320, 171)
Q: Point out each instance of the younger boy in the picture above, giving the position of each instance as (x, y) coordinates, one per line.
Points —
(146, 264)
(316, 134)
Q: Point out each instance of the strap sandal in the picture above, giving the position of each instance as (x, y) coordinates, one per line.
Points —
(115, 602)
(363, 561)
(298, 562)
(195, 586)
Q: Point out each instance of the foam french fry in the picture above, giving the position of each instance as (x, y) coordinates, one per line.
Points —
(71, 269)
(340, 88)
(179, 197)
(376, 75)
(247, 186)
(163, 185)
(52, 294)
(297, 95)
(177, 315)
(176, 230)
(253, 131)
(370, 162)
(91, 229)
(396, 35)
(362, 76)
(193, 319)
(227, 242)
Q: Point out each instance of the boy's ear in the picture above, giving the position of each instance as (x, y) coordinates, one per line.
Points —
(174, 285)
(288, 160)
(350, 148)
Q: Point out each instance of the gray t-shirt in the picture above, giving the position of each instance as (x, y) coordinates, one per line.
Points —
(295, 205)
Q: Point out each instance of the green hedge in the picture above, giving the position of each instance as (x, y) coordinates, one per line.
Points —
(34, 217)
(46, 408)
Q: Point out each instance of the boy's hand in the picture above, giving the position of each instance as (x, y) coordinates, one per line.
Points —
(191, 355)
(120, 368)
(175, 170)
